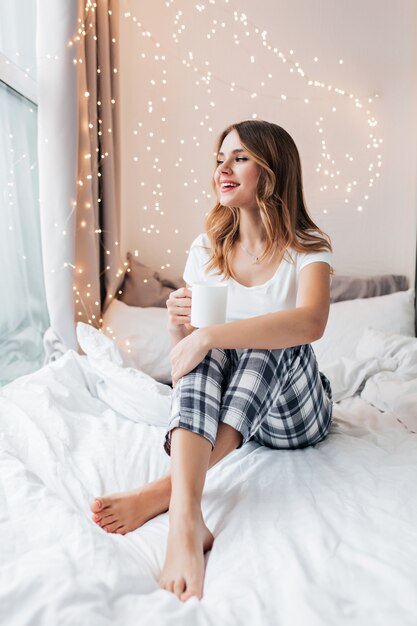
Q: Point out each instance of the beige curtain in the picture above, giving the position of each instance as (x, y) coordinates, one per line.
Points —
(98, 270)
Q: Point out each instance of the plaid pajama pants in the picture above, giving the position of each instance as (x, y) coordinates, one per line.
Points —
(278, 398)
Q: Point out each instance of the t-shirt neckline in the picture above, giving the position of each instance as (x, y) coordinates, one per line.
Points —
(266, 283)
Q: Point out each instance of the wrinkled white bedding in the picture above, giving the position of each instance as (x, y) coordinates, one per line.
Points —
(383, 372)
(322, 536)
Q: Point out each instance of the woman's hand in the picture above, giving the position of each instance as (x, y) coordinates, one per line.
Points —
(187, 354)
(179, 308)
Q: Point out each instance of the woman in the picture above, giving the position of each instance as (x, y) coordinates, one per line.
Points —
(254, 377)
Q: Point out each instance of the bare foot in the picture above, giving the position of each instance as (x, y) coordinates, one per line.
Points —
(183, 570)
(123, 512)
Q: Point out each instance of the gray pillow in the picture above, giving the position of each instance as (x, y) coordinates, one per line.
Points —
(352, 287)
(144, 287)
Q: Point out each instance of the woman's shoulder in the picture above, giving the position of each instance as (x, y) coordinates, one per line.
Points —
(202, 243)
(301, 257)
(315, 233)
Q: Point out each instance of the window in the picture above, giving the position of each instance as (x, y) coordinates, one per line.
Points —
(23, 311)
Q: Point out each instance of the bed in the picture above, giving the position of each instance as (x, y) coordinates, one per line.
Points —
(323, 536)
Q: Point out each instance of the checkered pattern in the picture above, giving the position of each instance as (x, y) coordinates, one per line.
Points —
(275, 397)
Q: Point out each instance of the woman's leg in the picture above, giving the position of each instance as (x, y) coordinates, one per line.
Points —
(195, 406)
(123, 512)
(189, 537)
(278, 398)
(286, 382)
(301, 416)
(258, 379)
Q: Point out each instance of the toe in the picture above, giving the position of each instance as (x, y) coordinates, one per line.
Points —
(97, 505)
(179, 586)
(112, 527)
(189, 594)
(106, 519)
(168, 585)
(193, 588)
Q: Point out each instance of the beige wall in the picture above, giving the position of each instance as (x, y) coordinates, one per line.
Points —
(377, 43)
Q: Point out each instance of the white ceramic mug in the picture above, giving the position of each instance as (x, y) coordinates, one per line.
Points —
(208, 304)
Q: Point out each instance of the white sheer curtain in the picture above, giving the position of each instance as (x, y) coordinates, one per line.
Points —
(57, 147)
(18, 34)
(78, 156)
(23, 312)
(78, 175)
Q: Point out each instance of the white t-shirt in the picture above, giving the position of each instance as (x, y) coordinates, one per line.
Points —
(276, 294)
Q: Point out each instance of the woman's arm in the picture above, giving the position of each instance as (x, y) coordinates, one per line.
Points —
(283, 329)
(293, 327)
(178, 334)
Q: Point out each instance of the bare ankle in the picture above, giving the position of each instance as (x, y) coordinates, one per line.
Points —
(162, 487)
(164, 483)
(185, 509)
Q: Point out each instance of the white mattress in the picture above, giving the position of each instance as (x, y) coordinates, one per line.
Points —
(326, 535)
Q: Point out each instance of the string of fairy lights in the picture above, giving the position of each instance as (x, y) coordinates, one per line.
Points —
(240, 29)
(164, 54)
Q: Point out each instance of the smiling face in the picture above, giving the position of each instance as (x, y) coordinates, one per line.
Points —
(237, 174)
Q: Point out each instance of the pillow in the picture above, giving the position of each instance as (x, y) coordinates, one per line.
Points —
(142, 336)
(392, 391)
(133, 394)
(145, 288)
(348, 319)
(352, 287)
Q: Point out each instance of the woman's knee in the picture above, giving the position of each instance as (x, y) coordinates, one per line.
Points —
(214, 364)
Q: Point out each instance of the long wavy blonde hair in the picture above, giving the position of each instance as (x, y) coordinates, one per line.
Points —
(279, 195)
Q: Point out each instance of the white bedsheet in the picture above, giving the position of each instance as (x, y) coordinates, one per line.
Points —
(326, 535)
